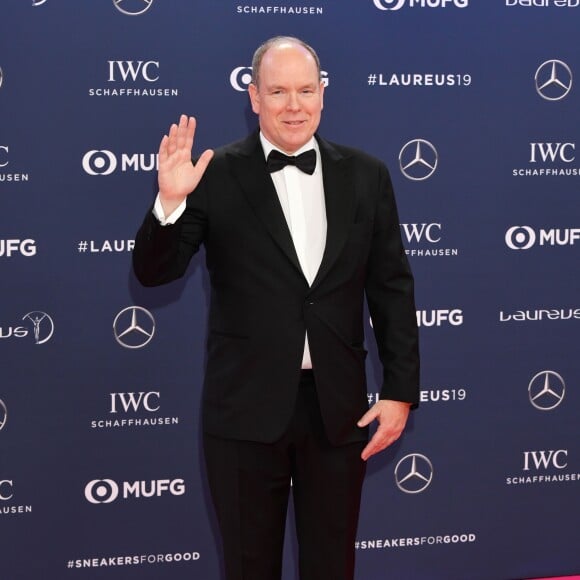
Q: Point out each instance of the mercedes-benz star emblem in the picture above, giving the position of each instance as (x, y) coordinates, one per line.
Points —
(3, 414)
(413, 473)
(418, 159)
(553, 80)
(42, 324)
(546, 390)
(134, 327)
(132, 7)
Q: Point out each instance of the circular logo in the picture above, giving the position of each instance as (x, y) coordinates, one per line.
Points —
(1, 77)
(413, 473)
(553, 80)
(520, 237)
(3, 414)
(418, 159)
(389, 4)
(134, 327)
(132, 7)
(42, 326)
(38, 2)
(546, 390)
(241, 77)
(101, 491)
(99, 162)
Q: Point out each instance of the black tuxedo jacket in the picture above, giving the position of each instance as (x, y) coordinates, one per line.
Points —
(261, 304)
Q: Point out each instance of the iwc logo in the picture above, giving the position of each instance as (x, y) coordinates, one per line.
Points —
(132, 7)
(134, 327)
(414, 473)
(418, 159)
(546, 390)
(553, 80)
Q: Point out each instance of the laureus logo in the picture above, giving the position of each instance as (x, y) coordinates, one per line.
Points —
(3, 414)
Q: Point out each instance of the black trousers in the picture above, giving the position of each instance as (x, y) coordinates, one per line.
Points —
(250, 484)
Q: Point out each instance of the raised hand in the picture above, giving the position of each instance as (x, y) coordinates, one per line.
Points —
(177, 176)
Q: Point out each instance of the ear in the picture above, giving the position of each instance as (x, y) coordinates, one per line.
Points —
(254, 98)
(321, 95)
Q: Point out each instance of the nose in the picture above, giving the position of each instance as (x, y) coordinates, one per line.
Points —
(293, 103)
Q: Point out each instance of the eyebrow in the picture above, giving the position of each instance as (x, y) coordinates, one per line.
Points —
(276, 86)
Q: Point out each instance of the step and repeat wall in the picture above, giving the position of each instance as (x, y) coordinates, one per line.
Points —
(474, 107)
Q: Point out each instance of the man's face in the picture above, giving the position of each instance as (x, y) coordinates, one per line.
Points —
(289, 99)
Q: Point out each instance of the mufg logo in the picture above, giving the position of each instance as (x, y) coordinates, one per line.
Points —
(104, 162)
(398, 4)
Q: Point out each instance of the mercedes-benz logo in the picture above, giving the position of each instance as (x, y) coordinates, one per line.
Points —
(546, 390)
(3, 414)
(414, 473)
(418, 159)
(553, 80)
(134, 327)
(43, 326)
(132, 7)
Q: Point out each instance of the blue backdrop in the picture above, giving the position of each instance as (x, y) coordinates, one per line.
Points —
(473, 106)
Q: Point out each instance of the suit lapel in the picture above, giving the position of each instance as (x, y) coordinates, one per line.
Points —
(249, 168)
(339, 200)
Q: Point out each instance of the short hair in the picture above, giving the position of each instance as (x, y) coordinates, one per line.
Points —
(274, 41)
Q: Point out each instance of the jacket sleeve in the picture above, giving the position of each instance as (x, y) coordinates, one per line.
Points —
(162, 253)
(390, 297)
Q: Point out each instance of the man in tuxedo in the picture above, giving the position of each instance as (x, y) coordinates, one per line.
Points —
(297, 231)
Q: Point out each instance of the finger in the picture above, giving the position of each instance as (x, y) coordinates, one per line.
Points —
(371, 448)
(367, 418)
(203, 161)
(163, 149)
(189, 134)
(378, 443)
(171, 142)
(182, 131)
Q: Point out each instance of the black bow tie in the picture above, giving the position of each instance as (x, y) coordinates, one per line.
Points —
(305, 161)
